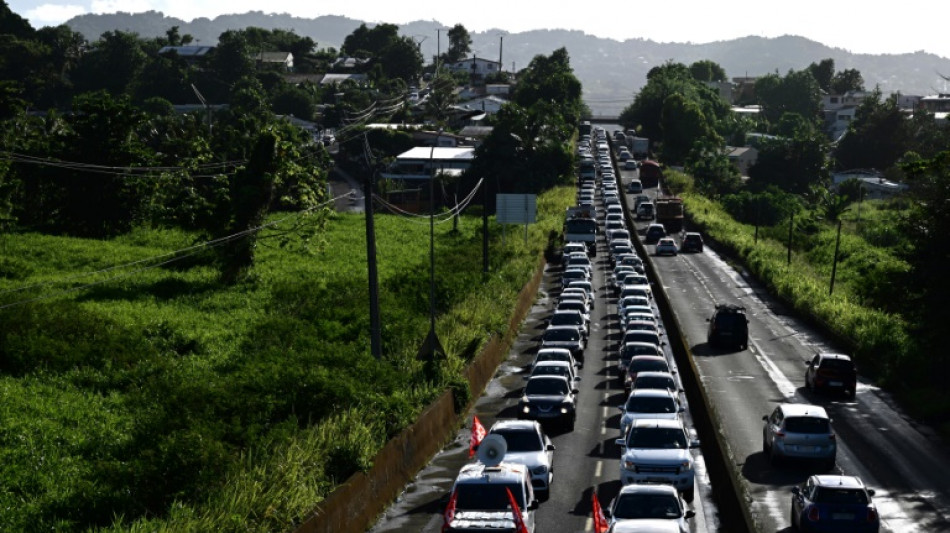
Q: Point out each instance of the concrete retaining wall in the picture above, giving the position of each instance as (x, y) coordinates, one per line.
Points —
(355, 505)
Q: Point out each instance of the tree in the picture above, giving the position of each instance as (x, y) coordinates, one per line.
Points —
(797, 92)
(683, 125)
(791, 164)
(877, 138)
(823, 73)
(707, 70)
(460, 44)
(113, 64)
(402, 59)
(441, 98)
(231, 59)
(551, 79)
(846, 81)
(713, 173)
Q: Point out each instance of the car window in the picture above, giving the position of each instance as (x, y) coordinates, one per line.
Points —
(806, 424)
(656, 506)
(565, 334)
(654, 382)
(650, 404)
(521, 441)
(546, 387)
(656, 438)
(837, 364)
(649, 365)
(488, 497)
(840, 496)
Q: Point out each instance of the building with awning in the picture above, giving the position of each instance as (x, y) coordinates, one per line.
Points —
(421, 162)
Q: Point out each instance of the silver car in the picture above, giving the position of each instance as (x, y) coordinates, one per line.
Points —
(796, 430)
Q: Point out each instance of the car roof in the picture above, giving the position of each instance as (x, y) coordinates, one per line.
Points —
(803, 409)
(648, 488)
(479, 474)
(646, 525)
(647, 357)
(637, 343)
(839, 356)
(514, 423)
(658, 423)
(554, 363)
(844, 482)
(652, 393)
(654, 374)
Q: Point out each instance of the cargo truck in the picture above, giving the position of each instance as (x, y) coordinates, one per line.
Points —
(580, 225)
(639, 147)
(669, 212)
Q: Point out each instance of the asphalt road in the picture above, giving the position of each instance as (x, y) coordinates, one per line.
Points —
(904, 462)
(586, 459)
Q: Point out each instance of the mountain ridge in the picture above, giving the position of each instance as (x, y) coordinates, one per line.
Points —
(610, 70)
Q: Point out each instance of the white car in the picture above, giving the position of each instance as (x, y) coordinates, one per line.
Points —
(665, 246)
(553, 354)
(658, 451)
(528, 445)
(481, 500)
(648, 403)
(653, 508)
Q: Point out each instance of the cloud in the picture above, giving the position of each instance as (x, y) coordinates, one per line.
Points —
(52, 14)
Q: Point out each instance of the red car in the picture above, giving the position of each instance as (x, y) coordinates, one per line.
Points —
(832, 371)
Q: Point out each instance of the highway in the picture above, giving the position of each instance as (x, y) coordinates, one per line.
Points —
(903, 461)
(586, 459)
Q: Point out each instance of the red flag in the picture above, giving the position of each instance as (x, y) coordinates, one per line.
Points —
(449, 514)
(478, 433)
(516, 513)
(600, 521)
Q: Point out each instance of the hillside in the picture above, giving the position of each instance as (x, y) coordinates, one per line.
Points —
(610, 70)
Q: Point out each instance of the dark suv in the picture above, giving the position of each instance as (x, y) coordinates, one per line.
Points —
(654, 233)
(728, 327)
(832, 371)
(692, 242)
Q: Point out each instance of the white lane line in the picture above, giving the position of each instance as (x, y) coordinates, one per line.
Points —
(589, 525)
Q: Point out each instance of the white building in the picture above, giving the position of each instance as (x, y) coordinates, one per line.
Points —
(873, 183)
(477, 67)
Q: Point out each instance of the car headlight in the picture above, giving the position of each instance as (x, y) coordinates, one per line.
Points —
(686, 465)
(526, 409)
(628, 464)
(542, 469)
(564, 410)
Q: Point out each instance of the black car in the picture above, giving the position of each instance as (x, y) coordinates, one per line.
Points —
(654, 233)
(831, 371)
(692, 242)
(549, 399)
(728, 327)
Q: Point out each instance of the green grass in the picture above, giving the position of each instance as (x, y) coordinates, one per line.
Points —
(160, 400)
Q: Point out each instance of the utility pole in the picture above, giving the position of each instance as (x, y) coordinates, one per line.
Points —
(501, 46)
(376, 343)
(485, 225)
(791, 222)
(834, 266)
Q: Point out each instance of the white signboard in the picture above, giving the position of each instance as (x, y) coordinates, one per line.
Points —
(516, 208)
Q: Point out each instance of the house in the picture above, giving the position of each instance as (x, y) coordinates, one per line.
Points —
(282, 61)
(839, 111)
(743, 90)
(477, 67)
(936, 103)
(501, 90)
(724, 88)
(191, 54)
(487, 104)
(742, 157)
(349, 63)
(421, 162)
(873, 184)
(330, 79)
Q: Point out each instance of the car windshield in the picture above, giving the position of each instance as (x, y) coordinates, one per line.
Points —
(520, 440)
(637, 349)
(551, 370)
(840, 496)
(566, 319)
(649, 365)
(546, 387)
(657, 506)
(559, 334)
(586, 226)
(806, 424)
(642, 336)
(576, 305)
(650, 404)
(487, 497)
(638, 325)
(654, 382)
(553, 356)
(656, 438)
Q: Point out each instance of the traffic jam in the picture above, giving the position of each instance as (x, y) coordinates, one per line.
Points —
(508, 484)
(587, 426)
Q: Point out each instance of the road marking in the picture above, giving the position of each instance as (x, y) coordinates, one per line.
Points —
(598, 468)
(589, 525)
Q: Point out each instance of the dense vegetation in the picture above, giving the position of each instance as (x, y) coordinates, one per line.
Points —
(184, 328)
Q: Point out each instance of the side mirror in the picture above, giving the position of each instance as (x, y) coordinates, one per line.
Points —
(606, 512)
(551, 447)
(689, 514)
(577, 378)
(765, 417)
(533, 505)
(870, 492)
(796, 491)
(694, 443)
(575, 390)
(620, 442)
(808, 363)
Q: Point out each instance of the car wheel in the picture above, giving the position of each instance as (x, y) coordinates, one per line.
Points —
(774, 458)
(793, 519)
(765, 445)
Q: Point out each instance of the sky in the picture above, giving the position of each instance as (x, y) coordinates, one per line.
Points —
(859, 27)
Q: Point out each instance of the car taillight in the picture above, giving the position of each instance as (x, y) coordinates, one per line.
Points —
(831, 437)
(780, 435)
(813, 513)
(872, 514)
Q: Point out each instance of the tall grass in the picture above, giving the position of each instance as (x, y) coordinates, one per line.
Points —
(163, 401)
